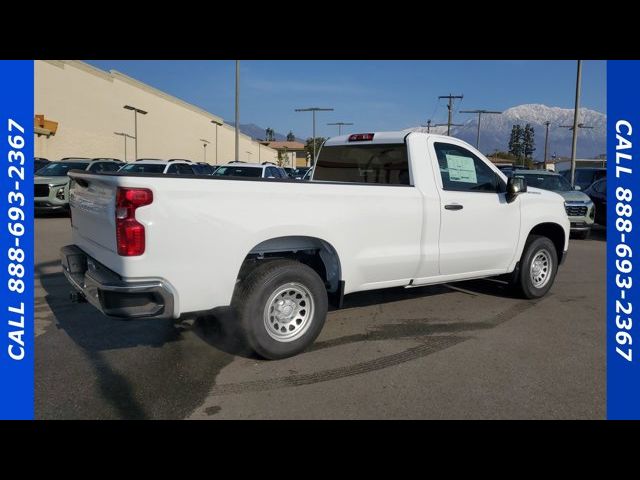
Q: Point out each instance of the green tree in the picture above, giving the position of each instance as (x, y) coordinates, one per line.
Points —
(502, 155)
(270, 135)
(283, 156)
(528, 142)
(291, 137)
(309, 148)
(515, 141)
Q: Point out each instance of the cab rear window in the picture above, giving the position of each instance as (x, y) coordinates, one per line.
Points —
(380, 164)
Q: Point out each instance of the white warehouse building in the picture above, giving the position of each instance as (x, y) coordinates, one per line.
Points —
(79, 112)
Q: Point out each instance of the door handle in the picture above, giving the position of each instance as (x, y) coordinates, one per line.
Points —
(453, 206)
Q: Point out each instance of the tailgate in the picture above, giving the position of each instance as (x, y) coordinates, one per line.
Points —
(92, 202)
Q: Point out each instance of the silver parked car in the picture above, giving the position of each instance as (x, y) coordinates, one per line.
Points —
(51, 183)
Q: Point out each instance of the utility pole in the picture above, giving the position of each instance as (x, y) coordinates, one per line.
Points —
(450, 108)
(573, 146)
(480, 112)
(546, 143)
(237, 110)
(576, 111)
(313, 110)
(428, 125)
(340, 124)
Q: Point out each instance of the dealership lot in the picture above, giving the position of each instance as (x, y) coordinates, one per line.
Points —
(466, 350)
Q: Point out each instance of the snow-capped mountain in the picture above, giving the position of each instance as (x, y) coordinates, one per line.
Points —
(496, 129)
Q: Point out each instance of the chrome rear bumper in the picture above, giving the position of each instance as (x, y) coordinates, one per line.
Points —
(109, 293)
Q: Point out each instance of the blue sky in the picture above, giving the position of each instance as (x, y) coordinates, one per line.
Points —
(374, 95)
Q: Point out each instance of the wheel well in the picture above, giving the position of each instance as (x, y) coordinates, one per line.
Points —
(554, 232)
(313, 252)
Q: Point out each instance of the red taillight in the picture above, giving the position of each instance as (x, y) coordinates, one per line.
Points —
(361, 137)
(129, 232)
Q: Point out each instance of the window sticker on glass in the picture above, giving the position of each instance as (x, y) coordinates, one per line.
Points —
(461, 169)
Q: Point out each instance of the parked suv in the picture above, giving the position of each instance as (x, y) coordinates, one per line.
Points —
(585, 176)
(38, 163)
(598, 194)
(580, 208)
(153, 165)
(51, 183)
(242, 169)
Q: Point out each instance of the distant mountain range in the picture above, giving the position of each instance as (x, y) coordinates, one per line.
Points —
(496, 129)
(258, 133)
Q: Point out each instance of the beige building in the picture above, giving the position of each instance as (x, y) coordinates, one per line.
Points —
(88, 106)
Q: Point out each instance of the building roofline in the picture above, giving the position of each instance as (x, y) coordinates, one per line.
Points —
(114, 74)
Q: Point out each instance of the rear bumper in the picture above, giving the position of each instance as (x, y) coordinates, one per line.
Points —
(109, 293)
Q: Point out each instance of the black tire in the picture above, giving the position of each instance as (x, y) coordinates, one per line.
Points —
(524, 284)
(252, 295)
(582, 235)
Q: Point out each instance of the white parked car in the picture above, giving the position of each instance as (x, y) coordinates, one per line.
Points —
(152, 165)
(254, 170)
(390, 209)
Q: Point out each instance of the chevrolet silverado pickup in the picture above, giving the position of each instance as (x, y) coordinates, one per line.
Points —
(387, 209)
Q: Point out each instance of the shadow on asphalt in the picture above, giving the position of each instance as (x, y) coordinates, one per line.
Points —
(223, 331)
(182, 374)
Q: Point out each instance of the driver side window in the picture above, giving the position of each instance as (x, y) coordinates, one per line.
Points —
(463, 171)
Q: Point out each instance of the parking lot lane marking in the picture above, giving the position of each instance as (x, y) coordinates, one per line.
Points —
(429, 346)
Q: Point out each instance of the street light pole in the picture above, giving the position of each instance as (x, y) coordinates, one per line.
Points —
(574, 138)
(340, 124)
(237, 110)
(314, 110)
(136, 111)
(204, 145)
(546, 144)
(216, 123)
(125, 136)
(479, 112)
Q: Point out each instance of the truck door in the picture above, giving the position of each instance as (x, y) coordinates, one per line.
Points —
(479, 230)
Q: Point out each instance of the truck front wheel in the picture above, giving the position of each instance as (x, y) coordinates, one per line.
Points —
(538, 267)
(282, 305)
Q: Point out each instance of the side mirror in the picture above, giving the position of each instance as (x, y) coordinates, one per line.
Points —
(515, 186)
(577, 187)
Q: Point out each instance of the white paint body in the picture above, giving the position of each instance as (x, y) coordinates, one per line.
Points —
(199, 231)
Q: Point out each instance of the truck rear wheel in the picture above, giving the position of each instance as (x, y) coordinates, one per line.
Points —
(538, 267)
(282, 305)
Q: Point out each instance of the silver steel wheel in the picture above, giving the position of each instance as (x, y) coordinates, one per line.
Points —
(288, 312)
(540, 269)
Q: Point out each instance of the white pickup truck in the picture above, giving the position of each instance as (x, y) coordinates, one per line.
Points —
(387, 209)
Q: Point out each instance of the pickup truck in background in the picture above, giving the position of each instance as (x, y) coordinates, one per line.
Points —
(387, 209)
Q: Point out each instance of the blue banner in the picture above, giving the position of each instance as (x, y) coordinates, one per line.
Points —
(623, 283)
(16, 249)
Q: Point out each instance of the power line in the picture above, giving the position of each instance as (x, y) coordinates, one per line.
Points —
(450, 108)
(480, 112)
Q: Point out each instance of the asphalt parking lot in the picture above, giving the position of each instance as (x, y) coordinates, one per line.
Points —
(461, 351)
